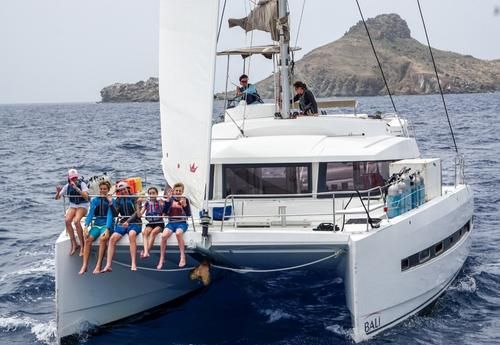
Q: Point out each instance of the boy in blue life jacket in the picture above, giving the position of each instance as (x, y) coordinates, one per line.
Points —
(126, 208)
(178, 210)
(102, 216)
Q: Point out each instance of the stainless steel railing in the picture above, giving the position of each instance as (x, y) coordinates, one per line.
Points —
(282, 215)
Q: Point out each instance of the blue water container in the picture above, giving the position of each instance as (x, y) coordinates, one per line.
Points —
(414, 191)
(393, 201)
(403, 192)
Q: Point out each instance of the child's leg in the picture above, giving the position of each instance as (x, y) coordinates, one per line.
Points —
(86, 254)
(68, 220)
(132, 238)
(80, 213)
(152, 238)
(180, 240)
(145, 241)
(163, 245)
(111, 251)
(103, 241)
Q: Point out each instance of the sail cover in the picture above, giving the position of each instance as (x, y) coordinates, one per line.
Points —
(188, 34)
(263, 17)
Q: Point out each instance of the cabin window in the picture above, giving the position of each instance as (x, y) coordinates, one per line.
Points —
(424, 255)
(405, 264)
(266, 179)
(350, 176)
(438, 248)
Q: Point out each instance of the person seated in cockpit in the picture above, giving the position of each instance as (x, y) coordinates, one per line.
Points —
(247, 91)
(307, 102)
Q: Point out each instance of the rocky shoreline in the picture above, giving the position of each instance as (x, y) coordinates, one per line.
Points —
(347, 67)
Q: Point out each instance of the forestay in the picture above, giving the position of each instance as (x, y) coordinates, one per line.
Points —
(188, 31)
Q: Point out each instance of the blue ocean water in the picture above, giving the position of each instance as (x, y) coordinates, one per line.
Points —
(39, 142)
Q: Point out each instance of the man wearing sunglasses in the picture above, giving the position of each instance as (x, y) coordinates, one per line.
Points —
(247, 91)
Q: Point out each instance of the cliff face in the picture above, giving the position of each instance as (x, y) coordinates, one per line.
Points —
(347, 67)
(139, 92)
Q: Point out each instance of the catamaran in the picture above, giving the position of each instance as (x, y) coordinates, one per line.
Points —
(347, 194)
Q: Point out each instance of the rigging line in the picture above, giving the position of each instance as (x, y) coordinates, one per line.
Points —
(376, 57)
(300, 22)
(221, 19)
(437, 77)
(250, 270)
(242, 129)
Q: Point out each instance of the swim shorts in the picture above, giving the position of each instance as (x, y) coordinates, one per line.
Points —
(119, 228)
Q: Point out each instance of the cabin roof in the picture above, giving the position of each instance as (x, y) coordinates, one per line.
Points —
(312, 148)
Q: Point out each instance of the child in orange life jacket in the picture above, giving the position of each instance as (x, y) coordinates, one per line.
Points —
(153, 209)
(77, 192)
(178, 210)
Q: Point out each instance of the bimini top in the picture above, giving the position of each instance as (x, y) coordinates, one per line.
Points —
(268, 51)
(311, 139)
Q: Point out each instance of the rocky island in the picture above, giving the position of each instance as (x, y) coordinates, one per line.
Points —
(347, 67)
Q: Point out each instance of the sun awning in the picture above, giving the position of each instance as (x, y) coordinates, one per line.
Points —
(267, 51)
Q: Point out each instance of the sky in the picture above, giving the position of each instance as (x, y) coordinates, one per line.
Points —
(68, 50)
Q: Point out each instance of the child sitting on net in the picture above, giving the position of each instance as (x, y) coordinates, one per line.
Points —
(153, 208)
(178, 210)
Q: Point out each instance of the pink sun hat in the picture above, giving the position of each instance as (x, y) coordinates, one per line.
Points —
(72, 173)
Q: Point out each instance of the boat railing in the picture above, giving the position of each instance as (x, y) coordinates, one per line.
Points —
(143, 217)
(459, 169)
(282, 215)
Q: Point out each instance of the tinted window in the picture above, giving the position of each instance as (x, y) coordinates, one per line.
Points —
(266, 179)
(351, 176)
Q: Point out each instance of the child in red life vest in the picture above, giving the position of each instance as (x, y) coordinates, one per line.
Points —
(178, 210)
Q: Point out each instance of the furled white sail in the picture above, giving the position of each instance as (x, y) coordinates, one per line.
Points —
(188, 34)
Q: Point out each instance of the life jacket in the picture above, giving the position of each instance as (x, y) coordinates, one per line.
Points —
(102, 208)
(74, 196)
(153, 211)
(176, 212)
(126, 208)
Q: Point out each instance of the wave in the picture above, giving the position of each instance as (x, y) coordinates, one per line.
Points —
(44, 332)
(46, 267)
(346, 333)
(275, 315)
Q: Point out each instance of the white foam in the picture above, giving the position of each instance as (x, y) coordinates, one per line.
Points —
(466, 284)
(44, 332)
(337, 329)
(275, 315)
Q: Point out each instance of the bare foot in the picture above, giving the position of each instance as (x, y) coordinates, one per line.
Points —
(142, 254)
(182, 262)
(160, 265)
(74, 248)
(81, 251)
(133, 268)
(82, 271)
(96, 270)
(146, 255)
(106, 269)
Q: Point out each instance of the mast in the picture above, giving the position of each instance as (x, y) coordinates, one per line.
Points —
(284, 59)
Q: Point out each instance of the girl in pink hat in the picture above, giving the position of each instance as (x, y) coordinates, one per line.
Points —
(78, 194)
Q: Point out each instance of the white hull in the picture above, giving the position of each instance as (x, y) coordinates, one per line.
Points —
(379, 293)
(95, 300)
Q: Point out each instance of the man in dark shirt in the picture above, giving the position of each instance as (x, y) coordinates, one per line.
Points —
(307, 102)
